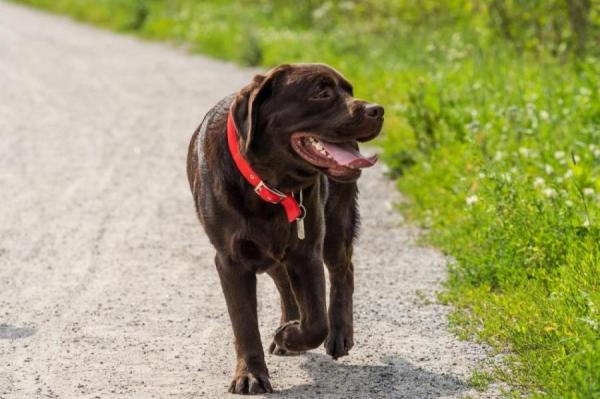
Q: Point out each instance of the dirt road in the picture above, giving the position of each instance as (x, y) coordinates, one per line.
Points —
(107, 283)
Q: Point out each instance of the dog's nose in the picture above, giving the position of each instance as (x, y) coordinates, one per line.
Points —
(374, 111)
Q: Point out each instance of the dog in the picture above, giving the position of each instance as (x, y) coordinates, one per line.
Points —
(273, 171)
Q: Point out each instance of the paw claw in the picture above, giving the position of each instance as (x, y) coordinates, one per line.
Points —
(338, 343)
(250, 383)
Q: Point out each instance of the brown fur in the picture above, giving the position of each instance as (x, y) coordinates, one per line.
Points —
(252, 236)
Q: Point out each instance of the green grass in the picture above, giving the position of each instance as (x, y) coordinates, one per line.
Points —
(496, 143)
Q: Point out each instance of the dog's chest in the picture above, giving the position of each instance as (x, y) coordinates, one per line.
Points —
(266, 244)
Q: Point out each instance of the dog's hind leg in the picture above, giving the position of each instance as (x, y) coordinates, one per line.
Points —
(341, 221)
(289, 307)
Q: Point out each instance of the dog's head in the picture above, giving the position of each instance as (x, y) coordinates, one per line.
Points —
(305, 119)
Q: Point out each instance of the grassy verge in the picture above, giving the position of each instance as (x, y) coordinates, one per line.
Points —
(497, 145)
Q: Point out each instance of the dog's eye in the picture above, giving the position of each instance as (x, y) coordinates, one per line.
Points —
(322, 94)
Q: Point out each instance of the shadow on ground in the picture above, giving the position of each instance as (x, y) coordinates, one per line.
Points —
(395, 378)
(11, 332)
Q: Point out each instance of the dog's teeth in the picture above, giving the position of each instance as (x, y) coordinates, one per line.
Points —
(319, 147)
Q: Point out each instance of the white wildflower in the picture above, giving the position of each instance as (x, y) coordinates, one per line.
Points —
(568, 174)
(322, 11)
(544, 115)
(584, 91)
(588, 192)
(472, 200)
(559, 154)
(347, 5)
(524, 151)
(473, 125)
(498, 156)
(549, 192)
(591, 322)
(538, 182)
(549, 169)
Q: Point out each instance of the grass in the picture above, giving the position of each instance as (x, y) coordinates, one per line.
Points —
(495, 143)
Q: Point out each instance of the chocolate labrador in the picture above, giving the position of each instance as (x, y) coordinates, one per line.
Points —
(273, 172)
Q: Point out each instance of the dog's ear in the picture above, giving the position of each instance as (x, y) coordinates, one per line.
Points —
(247, 102)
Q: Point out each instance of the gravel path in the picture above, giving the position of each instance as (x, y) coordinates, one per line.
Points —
(107, 283)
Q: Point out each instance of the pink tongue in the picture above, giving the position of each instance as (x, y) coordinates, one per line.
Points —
(346, 155)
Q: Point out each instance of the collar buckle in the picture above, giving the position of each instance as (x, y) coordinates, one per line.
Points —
(269, 194)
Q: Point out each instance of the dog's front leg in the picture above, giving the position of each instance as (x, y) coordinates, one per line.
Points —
(342, 218)
(239, 288)
(307, 278)
(289, 307)
(341, 276)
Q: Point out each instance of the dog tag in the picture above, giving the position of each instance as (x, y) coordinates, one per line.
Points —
(300, 220)
(300, 227)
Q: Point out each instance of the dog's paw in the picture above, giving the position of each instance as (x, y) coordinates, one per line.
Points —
(250, 383)
(339, 341)
(281, 337)
(275, 349)
(296, 337)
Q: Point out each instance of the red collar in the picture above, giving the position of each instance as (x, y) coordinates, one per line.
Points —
(292, 209)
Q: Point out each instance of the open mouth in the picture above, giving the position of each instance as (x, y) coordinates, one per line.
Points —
(338, 159)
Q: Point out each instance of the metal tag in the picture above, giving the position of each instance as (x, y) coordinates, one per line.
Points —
(300, 227)
(300, 220)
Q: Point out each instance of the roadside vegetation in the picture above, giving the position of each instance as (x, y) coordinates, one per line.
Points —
(492, 132)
